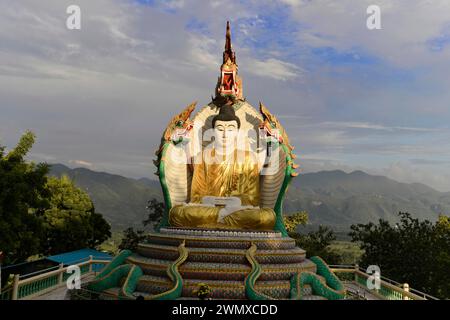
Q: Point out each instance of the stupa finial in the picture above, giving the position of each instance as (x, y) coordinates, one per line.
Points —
(229, 84)
(228, 53)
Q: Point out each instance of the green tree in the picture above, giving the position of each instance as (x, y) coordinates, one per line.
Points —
(41, 215)
(131, 237)
(291, 222)
(71, 222)
(442, 229)
(23, 199)
(315, 243)
(411, 251)
(155, 213)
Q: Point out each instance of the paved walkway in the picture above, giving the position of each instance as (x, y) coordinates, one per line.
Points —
(360, 290)
(60, 293)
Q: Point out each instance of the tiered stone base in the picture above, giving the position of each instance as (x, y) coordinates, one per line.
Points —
(217, 258)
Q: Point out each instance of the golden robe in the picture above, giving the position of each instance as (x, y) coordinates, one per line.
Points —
(233, 175)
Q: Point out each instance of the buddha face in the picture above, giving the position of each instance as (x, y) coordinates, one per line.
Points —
(226, 133)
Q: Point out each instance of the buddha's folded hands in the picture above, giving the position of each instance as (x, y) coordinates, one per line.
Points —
(244, 217)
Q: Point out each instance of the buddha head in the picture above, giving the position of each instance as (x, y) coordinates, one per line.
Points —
(226, 127)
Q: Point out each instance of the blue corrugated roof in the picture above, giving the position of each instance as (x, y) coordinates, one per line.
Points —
(79, 256)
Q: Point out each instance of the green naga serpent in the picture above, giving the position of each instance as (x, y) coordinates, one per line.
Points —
(176, 132)
(324, 283)
(276, 136)
(118, 271)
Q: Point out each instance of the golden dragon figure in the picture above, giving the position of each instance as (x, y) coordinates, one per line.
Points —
(177, 131)
(273, 128)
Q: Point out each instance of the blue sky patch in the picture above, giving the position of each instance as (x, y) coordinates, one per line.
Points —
(271, 30)
(198, 26)
(355, 56)
(439, 43)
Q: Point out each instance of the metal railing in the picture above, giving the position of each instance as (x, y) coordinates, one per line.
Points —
(389, 289)
(6, 294)
(26, 287)
(40, 282)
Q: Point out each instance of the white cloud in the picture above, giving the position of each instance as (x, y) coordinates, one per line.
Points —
(202, 50)
(174, 4)
(294, 3)
(407, 26)
(105, 93)
(329, 139)
(408, 173)
(372, 126)
(274, 68)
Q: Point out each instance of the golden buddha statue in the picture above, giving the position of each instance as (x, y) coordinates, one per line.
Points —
(225, 184)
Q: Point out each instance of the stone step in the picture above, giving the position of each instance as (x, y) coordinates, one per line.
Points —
(227, 255)
(221, 271)
(220, 233)
(220, 289)
(232, 242)
(151, 266)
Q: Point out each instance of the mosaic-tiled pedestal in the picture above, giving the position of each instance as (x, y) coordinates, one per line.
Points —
(218, 259)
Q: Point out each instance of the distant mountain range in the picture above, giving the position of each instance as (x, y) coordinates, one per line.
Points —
(333, 198)
(121, 200)
(340, 199)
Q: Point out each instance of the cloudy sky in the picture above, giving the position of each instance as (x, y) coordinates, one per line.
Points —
(350, 98)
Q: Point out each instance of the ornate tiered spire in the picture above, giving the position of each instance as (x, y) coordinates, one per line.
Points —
(228, 53)
(229, 85)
